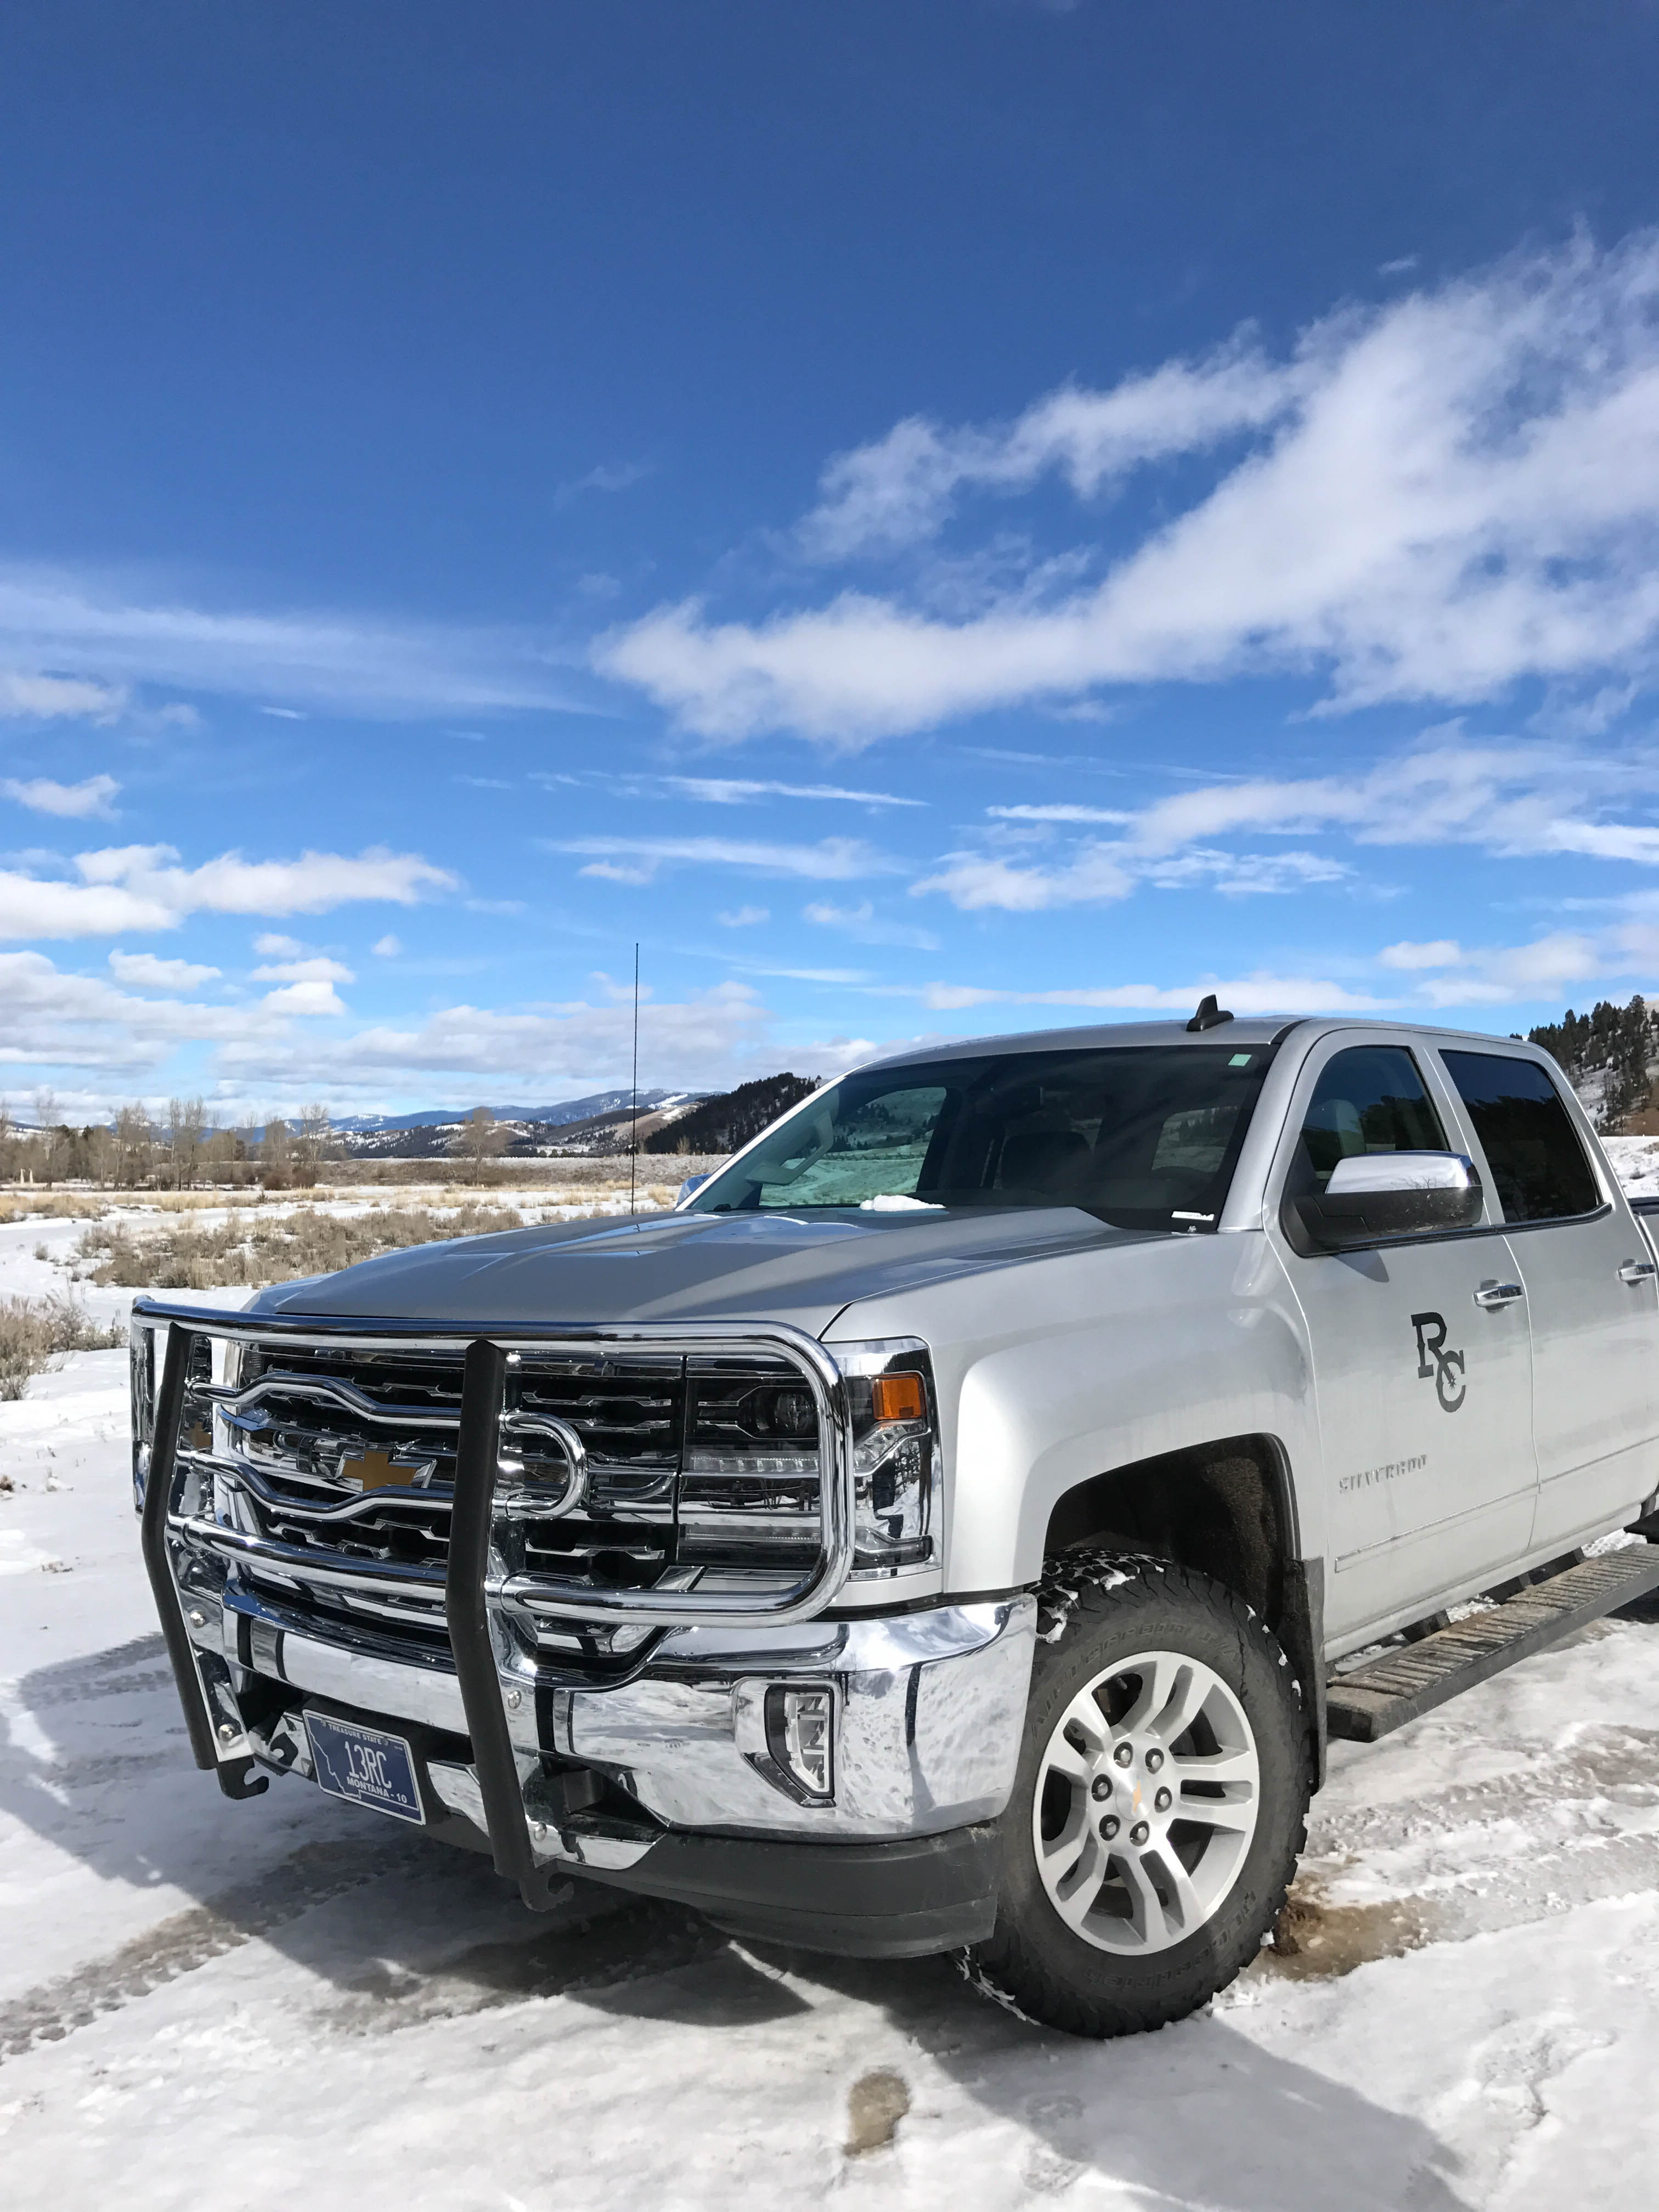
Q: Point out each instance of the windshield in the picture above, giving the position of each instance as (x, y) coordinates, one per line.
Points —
(1145, 1137)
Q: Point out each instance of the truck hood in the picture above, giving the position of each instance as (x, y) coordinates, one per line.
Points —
(685, 1267)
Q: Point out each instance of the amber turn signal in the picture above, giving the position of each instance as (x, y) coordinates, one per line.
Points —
(898, 1398)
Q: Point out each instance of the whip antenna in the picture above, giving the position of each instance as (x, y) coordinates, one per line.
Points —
(634, 1090)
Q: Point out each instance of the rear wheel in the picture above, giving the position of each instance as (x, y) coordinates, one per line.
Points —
(1159, 1807)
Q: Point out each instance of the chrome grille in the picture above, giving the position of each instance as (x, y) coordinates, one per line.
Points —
(344, 1455)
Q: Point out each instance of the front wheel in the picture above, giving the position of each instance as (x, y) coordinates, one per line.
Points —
(1159, 1807)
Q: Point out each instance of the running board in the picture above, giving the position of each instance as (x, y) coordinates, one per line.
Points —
(1375, 1699)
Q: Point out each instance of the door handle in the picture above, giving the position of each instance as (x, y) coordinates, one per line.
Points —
(1637, 1270)
(1498, 1294)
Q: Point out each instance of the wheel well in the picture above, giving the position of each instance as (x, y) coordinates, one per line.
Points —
(1222, 1508)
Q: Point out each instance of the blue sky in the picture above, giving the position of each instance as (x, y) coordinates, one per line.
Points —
(934, 519)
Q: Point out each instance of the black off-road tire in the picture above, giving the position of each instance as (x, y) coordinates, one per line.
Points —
(1095, 1608)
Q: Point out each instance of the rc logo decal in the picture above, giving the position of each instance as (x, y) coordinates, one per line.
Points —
(1433, 1359)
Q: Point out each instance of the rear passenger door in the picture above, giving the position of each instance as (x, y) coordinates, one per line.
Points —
(1422, 1365)
(1591, 1298)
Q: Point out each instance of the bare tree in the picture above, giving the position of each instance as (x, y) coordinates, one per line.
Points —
(187, 1126)
(312, 1139)
(97, 1149)
(48, 1144)
(134, 1145)
(275, 1155)
(480, 1138)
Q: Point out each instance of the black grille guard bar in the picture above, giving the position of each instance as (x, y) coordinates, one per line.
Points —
(477, 1629)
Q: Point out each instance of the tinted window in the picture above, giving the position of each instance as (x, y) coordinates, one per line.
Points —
(1538, 1165)
(1142, 1136)
(1370, 1099)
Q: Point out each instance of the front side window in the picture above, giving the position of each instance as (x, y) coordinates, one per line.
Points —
(1368, 1099)
(1142, 1136)
(1538, 1165)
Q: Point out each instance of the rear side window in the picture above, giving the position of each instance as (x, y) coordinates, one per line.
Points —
(1368, 1099)
(1538, 1165)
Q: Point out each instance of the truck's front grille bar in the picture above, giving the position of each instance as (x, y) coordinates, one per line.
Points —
(324, 1454)
(210, 1522)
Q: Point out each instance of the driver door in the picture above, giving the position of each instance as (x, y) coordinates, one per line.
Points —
(1422, 1362)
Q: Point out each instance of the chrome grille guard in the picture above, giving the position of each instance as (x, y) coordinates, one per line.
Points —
(479, 1599)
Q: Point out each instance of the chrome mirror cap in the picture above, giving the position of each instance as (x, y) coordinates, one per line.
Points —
(1372, 1197)
(1369, 1175)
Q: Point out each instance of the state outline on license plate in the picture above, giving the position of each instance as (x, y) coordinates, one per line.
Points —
(365, 1767)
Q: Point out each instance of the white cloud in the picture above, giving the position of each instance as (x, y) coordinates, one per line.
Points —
(1509, 974)
(744, 917)
(270, 946)
(1441, 497)
(64, 1026)
(387, 947)
(47, 697)
(316, 996)
(342, 662)
(1442, 952)
(132, 888)
(72, 801)
(314, 970)
(636, 859)
(143, 971)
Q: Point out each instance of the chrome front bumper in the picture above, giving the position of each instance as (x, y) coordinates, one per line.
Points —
(928, 1706)
(928, 1711)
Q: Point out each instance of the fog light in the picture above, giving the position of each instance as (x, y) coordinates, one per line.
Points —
(800, 1737)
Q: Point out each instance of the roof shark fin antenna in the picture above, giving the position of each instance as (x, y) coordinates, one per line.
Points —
(1209, 1015)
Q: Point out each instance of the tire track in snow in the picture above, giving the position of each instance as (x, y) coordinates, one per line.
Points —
(308, 1877)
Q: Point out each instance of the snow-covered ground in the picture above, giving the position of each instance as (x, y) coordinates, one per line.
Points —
(287, 2003)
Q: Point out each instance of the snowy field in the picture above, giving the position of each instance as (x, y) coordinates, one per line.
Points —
(287, 2003)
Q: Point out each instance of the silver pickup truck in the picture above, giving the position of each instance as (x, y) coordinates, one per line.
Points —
(960, 1523)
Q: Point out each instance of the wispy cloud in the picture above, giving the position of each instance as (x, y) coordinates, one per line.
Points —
(1256, 993)
(901, 489)
(739, 791)
(1438, 497)
(744, 917)
(1518, 799)
(637, 859)
(866, 926)
(336, 662)
(612, 477)
(71, 801)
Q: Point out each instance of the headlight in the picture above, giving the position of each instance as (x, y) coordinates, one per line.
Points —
(894, 1451)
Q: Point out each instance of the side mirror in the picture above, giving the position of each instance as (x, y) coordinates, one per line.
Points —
(1374, 1195)
(690, 1187)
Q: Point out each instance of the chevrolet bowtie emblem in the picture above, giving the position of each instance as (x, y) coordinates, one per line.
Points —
(375, 1469)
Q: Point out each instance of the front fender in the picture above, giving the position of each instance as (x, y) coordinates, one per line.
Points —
(1055, 1371)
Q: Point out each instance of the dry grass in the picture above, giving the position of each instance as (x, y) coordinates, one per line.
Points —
(52, 1205)
(33, 1329)
(274, 1250)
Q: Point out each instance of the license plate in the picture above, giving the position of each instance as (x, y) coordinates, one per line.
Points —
(364, 1767)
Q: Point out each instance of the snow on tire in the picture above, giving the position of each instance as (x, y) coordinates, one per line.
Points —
(1160, 1802)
